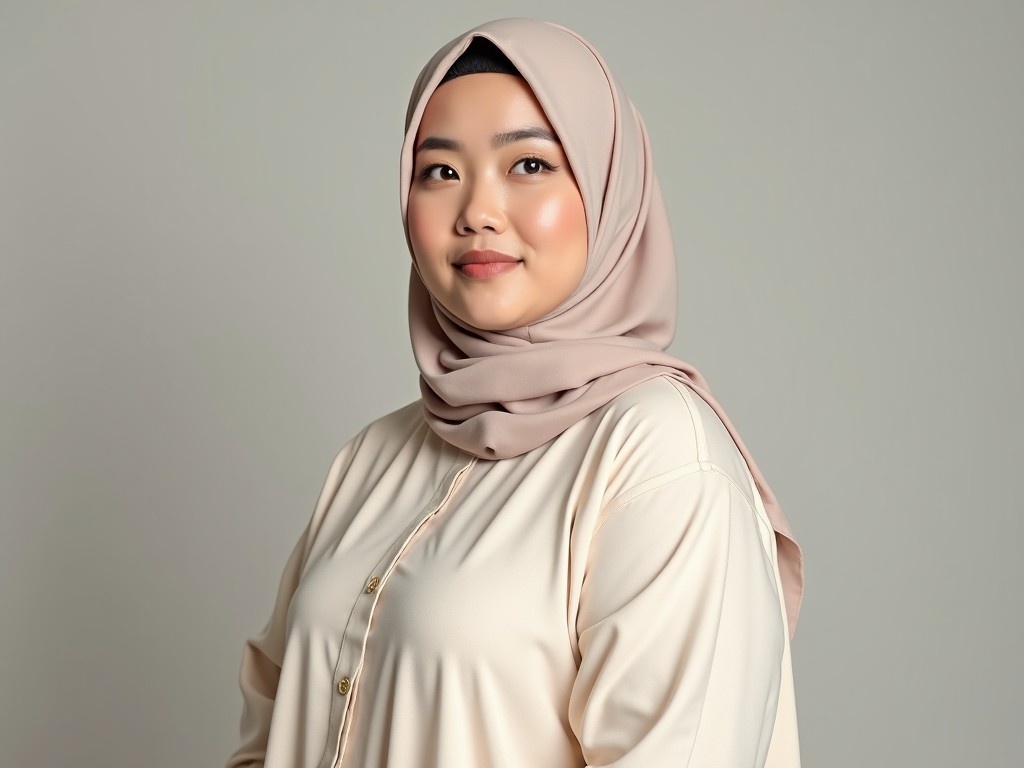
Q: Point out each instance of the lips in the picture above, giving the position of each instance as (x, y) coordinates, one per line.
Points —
(485, 264)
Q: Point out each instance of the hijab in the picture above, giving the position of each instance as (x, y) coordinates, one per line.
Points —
(499, 394)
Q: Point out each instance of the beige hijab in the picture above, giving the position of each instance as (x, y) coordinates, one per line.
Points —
(501, 394)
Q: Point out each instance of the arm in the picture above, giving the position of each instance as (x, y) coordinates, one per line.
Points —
(681, 631)
(261, 669)
(264, 653)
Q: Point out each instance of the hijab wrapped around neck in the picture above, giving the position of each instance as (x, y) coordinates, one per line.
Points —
(499, 394)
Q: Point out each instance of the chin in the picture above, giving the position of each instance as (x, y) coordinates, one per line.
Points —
(485, 316)
(495, 326)
(490, 322)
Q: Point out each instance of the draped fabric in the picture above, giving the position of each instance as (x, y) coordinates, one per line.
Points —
(501, 394)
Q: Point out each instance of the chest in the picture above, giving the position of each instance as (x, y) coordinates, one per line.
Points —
(475, 562)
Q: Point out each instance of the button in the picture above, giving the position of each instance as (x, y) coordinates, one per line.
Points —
(372, 585)
(344, 686)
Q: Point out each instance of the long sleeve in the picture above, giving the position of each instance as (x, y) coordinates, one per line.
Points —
(609, 599)
(263, 654)
(261, 670)
(681, 632)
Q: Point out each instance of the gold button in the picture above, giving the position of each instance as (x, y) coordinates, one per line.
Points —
(372, 585)
(344, 685)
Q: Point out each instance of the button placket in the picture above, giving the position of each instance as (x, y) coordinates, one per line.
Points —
(345, 683)
(353, 645)
(353, 637)
(363, 613)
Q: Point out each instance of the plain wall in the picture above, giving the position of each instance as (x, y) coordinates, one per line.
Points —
(202, 297)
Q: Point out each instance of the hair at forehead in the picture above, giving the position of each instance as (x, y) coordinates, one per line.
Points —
(481, 57)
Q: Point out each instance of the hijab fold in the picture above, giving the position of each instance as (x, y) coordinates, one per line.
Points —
(502, 394)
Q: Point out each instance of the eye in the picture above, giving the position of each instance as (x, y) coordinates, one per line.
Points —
(439, 172)
(530, 166)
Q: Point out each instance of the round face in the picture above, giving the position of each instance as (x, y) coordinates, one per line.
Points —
(495, 218)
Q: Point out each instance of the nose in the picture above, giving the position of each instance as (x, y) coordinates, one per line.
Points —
(482, 209)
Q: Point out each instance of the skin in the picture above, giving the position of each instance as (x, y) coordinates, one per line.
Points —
(490, 174)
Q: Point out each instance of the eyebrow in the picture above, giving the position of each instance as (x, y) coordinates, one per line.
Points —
(497, 141)
(536, 132)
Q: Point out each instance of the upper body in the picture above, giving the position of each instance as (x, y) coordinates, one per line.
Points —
(609, 598)
(563, 554)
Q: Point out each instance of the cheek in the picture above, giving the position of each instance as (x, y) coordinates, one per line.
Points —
(426, 233)
(418, 231)
(558, 220)
(430, 243)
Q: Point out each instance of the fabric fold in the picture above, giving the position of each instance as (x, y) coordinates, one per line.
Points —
(501, 394)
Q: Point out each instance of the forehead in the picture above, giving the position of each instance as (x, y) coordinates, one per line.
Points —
(481, 103)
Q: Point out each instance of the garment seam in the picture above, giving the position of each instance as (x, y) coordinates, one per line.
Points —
(449, 492)
(687, 395)
(339, 748)
(628, 496)
(703, 461)
(642, 488)
(701, 435)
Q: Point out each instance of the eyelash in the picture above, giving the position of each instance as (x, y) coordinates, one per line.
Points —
(544, 164)
(425, 173)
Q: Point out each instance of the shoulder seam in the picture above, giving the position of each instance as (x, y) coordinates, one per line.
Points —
(703, 453)
(659, 481)
(635, 491)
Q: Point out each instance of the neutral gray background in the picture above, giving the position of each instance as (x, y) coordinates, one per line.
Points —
(202, 297)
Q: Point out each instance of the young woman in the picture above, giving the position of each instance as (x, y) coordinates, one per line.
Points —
(562, 554)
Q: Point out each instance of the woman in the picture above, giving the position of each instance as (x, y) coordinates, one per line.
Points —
(562, 555)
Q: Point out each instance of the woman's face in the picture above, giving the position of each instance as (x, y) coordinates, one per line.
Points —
(496, 220)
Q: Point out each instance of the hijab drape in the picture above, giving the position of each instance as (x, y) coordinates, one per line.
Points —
(501, 394)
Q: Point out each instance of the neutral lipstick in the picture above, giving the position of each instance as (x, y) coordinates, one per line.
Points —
(481, 265)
